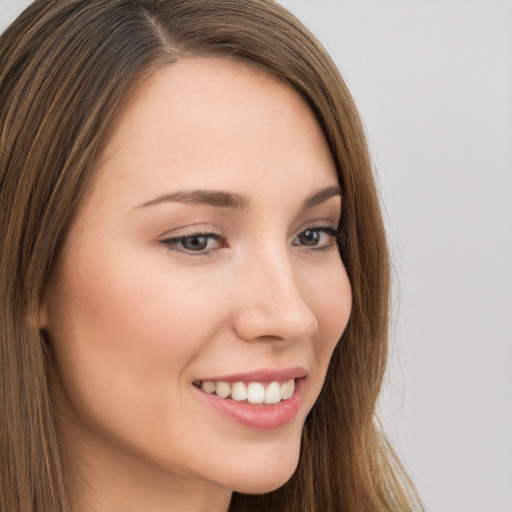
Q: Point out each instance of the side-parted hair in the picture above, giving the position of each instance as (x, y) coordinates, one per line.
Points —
(65, 68)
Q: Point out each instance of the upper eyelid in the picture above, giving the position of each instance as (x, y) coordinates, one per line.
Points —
(193, 231)
(209, 231)
(192, 234)
(172, 243)
(217, 236)
(317, 225)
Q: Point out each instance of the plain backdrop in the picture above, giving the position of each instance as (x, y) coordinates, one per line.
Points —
(433, 81)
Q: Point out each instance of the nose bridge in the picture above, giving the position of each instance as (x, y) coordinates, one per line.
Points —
(272, 303)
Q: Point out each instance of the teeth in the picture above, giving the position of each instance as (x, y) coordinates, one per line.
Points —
(239, 391)
(209, 386)
(287, 389)
(223, 389)
(254, 392)
(273, 393)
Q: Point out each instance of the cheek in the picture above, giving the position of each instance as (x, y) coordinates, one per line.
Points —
(331, 301)
(122, 334)
(130, 305)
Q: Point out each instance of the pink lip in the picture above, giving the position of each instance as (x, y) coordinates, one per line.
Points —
(264, 375)
(256, 416)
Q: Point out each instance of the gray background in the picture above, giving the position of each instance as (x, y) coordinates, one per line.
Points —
(433, 80)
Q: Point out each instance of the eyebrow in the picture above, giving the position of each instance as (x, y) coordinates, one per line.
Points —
(232, 200)
(321, 196)
(215, 198)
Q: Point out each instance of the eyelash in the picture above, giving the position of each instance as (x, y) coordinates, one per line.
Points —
(335, 233)
(173, 244)
(176, 243)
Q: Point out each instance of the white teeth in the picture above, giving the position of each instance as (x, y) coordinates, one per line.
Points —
(287, 389)
(273, 393)
(255, 393)
(238, 391)
(223, 389)
(208, 386)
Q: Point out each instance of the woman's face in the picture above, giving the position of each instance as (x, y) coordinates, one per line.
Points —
(202, 252)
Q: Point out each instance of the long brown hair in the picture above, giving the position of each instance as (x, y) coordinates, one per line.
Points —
(65, 68)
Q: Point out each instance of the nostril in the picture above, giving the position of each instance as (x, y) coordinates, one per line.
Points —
(275, 323)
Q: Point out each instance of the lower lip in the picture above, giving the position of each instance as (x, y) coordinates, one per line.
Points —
(257, 416)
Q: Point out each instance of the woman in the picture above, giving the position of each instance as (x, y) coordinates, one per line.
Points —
(194, 269)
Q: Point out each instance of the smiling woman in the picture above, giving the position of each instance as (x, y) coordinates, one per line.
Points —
(194, 273)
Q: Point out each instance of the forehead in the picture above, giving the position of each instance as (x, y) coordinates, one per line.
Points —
(202, 121)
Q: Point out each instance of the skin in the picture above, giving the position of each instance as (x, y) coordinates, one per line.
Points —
(133, 322)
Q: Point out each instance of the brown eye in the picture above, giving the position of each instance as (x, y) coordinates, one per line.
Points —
(200, 243)
(309, 237)
(195, 243)
(317, 238)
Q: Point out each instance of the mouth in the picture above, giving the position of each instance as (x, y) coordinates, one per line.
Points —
(262, 400)
(250, 392)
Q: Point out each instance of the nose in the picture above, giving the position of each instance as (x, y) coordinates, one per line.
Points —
(270, 302)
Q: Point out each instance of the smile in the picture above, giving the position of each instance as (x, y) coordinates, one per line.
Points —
(265, 399)
(252, 392)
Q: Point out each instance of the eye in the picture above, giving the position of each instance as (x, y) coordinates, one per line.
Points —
(198, 243)
(195, 243)
(322, 237)
(309, 237)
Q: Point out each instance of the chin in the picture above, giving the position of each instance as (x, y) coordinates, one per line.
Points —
(266, 474)
(263, 484)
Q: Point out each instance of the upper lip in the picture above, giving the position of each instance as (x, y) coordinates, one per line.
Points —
(262, 375)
